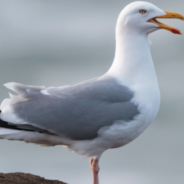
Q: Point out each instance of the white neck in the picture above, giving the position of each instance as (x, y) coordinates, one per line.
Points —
(133, 61)
(133, 67)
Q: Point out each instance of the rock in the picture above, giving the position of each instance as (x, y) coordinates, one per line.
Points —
(22, 178)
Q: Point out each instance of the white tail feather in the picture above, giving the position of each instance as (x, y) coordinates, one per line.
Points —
(5, 103)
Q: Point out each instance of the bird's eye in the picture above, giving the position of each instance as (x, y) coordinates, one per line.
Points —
(142, 11)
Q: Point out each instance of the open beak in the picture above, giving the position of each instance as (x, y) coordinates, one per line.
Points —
(169, 15)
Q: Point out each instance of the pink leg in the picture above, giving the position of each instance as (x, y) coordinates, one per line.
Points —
(95, 169)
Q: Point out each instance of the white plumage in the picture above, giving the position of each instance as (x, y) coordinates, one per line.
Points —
(130, 84)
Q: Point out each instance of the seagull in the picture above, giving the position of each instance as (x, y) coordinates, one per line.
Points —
(99, 114)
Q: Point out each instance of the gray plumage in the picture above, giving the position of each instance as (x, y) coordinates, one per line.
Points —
(76, 112)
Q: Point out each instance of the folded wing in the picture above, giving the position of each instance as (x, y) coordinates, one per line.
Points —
(76, 112)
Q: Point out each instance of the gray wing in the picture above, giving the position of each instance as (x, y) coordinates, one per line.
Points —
(77, 111)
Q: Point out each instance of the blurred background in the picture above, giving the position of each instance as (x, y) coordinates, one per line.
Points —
(57, 42)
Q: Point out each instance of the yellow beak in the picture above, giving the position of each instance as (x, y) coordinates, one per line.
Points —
(169, 15)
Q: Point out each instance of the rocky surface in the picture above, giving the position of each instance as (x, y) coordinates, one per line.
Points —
(22, 178)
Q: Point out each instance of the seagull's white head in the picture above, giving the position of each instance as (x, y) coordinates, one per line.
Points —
(140, 17)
